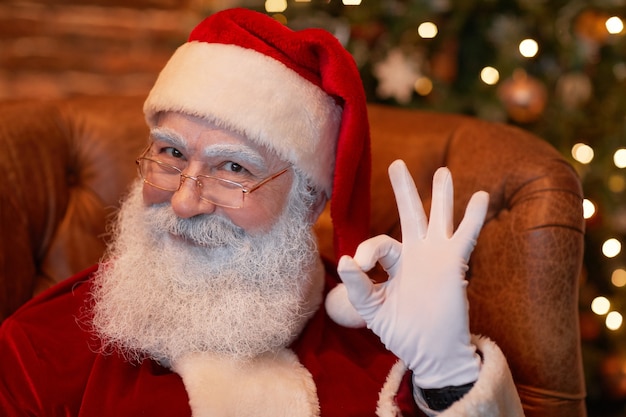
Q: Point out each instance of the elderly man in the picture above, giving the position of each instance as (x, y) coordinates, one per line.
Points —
(210, 301)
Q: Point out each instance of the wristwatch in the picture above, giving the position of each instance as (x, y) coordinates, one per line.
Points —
(439, 399)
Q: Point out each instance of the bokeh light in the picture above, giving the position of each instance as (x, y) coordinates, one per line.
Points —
(490, 75)
(600, 305)
(611, 248)
(619, 158)
(614, 25)
(613, 320)
(423, 86)
(275, 6)
(427, 30)
(582, 153)
(589, 209)
(528, 48)
(618, 277)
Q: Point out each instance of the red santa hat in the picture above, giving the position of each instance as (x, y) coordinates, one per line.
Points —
(298, 93)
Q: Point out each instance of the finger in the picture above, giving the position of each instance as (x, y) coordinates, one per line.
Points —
(413, 219)
(360, 287)
(442, 206)
(382, 249)
(473, 219)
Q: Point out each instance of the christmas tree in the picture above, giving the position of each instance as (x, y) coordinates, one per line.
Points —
(557, 69)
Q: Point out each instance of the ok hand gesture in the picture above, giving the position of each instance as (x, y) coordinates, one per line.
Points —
(421, 312)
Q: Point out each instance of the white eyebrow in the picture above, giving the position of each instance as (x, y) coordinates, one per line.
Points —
(236, 152)
(168, 135)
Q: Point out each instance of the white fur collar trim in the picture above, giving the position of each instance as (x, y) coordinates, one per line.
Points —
(272, 385)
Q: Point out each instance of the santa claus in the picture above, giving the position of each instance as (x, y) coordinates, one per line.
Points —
(212, 299)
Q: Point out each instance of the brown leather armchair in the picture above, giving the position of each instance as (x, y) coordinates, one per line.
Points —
(65, 165)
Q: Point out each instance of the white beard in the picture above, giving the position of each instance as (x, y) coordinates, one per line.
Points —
(212, 288)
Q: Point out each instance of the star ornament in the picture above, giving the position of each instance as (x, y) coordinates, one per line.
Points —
(396, 76)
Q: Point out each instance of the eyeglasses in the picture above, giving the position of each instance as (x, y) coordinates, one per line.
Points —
(219, 191)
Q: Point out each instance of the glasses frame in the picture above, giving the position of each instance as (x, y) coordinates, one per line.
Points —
(197, 178)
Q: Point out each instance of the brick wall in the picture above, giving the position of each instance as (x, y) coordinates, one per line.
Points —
(59, 48)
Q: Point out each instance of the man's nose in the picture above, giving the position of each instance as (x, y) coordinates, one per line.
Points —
(186, 202)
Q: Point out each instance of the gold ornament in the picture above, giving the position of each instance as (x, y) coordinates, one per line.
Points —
(591, 25)
(523, 96)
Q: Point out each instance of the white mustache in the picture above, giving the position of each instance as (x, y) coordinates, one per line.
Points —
(209, 231)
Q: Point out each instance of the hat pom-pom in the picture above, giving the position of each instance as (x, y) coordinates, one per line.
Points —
(340, 309)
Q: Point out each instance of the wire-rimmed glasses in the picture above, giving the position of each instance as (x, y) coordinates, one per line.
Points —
(215, 190)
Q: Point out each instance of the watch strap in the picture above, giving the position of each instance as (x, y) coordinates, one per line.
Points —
(439, 399)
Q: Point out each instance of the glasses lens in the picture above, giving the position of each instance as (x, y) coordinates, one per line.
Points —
(159, 175)
(214, 190)
(221, 192)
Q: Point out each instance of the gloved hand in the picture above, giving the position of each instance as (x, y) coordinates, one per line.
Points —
(421, 312)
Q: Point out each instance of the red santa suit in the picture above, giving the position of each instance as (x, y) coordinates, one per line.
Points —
(51, 366)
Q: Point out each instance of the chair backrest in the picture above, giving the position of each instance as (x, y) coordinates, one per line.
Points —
(67, 163)
(65, 167)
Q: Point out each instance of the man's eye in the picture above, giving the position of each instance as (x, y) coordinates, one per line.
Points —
(172, 152)
(234, 172)
(170, 155)
(233, 167)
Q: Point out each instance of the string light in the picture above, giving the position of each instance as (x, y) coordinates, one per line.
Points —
(489, 75)
(582, 153)
(423, 86)
(611, 248)
(600, 305)
(614, 25)
(613, 320)
(427, 30)
(618, 277)
(619, 158)
(528, 48)
(589, 209)
(275, 6)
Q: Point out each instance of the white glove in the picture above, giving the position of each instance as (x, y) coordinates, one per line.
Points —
(421, 312)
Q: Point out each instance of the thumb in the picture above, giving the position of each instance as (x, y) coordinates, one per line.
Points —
(361, 290)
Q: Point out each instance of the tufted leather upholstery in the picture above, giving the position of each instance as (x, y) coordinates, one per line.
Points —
(65, 165)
